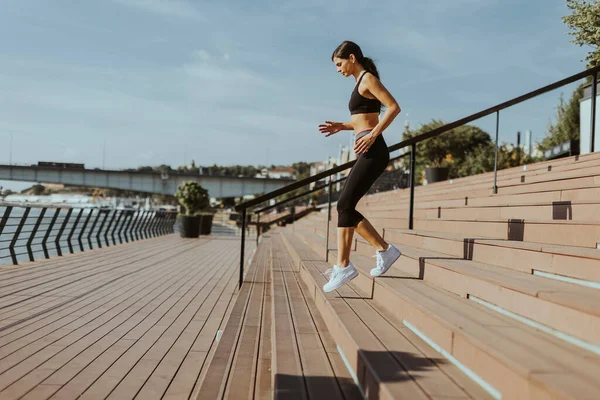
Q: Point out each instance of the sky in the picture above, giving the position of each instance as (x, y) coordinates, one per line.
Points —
(125, 83)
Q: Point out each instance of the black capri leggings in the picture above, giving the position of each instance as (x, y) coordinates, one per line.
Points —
(368, 167)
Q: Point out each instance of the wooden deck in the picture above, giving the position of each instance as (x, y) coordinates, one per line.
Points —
(133, 321)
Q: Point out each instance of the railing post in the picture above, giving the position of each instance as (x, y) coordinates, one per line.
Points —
(413, 157)
(257, 227)
(98, 239)
(85, 224)
(123, 212)
(60, 232)
(161, 223)
(135, 219)
(328, 218)
(110, 222)
(173, 221)
(495, 188)
(13, 242)
(50, 227)
(242, 248)
(144, 225)
(33, 233)
(5, 217)
(127, 228)
(153, 221)
(293, 217)
(593, 121)
(70, 237)
(164, 223)
(93, 227)
(112, 235)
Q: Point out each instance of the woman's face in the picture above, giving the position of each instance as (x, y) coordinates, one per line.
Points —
(344, 66)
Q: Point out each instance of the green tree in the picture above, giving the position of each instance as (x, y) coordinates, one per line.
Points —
(567, 122)
(465, 149)
(584, 22)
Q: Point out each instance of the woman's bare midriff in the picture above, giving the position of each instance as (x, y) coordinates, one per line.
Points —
(362, 122)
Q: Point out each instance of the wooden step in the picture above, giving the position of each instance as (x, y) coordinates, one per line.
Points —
(306, 362)
(575, 262)
(519, 361)
(563, 306)
(389, 360)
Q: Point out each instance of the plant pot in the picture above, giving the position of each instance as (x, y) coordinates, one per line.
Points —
(189, 226)
(206, 224)
(436, 174)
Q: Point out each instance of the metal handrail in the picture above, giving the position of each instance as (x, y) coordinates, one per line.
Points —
(412, 142)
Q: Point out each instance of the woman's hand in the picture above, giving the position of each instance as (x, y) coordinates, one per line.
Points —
(330, 128)
(364, 143)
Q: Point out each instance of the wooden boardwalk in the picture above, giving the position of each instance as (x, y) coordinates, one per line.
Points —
(133, 321)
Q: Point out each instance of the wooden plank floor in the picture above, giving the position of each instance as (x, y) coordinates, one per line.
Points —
(139, 320)
(275, 343)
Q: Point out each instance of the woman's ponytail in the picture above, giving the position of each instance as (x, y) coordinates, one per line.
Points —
(369, 65)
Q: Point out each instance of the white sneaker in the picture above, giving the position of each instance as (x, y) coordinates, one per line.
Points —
(385, 259)
(339, 276)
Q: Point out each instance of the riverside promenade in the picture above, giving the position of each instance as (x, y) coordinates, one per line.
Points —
(138, 320)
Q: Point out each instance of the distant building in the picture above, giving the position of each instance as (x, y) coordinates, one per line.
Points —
(277, 173)
(282, 172)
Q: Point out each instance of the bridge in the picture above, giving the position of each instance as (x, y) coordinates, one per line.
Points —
(154, 182)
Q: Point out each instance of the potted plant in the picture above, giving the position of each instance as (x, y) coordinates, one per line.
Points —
(438, 152)
(194, 199)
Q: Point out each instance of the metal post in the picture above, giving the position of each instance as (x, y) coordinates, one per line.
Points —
(593, 122)
(153, 224)
(144, 225)
(242, 248)
(125, 226)
(61, 230)
(139, 230)
(85, 224)
(100, 229)
(34, 232)
(328, 218)
(163, 223)
(257, 227)
(112, 219)
(70, 237)
(136, 222)
(413, 157)
(519, 148)
(495, 188)
(173, 222)
(49, 231)
(293, 217)
(5, 217)
(93, 227)
(13, 242)
(128, 226)
(121, 227)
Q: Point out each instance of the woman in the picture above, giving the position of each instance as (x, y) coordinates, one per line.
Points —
(372, 159)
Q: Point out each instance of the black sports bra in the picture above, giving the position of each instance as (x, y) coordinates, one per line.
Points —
(360, 104)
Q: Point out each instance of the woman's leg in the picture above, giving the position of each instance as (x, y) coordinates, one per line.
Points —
(366, 230)
(364, 173)
(344, 236)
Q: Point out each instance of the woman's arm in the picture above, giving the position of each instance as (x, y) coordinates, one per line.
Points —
(376, 88)
(331, 127)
